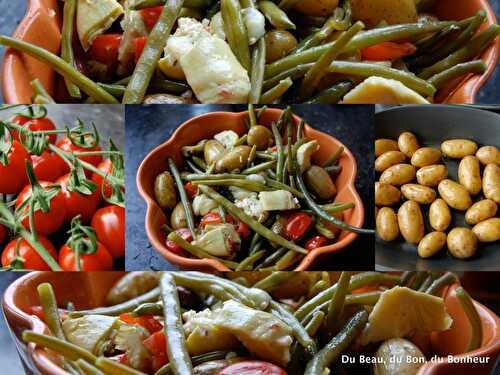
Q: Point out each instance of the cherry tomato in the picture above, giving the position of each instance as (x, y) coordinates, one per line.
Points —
(109, 224)
(66, 145)
(156, 344)
(32, 261)
(146, 321)
(105, 49)
(139, 44)
(35, 124)
(252, 368)
(101, 260)
(316, 242)
(243, 229)
(191, 190)
(212, 218)
(13, 175)
(388, 51)
(151, 15)
(45, 222)
(174, 247)
(3, 233)
(47, 166)
(107, 167)
(76, 203)
(297, 225)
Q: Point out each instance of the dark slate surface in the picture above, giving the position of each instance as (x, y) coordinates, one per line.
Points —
(148, 127)
(12, 12)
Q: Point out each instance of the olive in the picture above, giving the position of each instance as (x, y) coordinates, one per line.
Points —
(165, 192)
(279, 43)
(260, 136)
(213, 151)
(232, 160)
(178, 217)
(319, 182)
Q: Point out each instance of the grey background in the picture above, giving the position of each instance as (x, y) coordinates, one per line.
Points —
(149, 126)
(11, 12)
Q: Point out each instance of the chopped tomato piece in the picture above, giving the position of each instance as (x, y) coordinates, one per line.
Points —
(186, 234)
(146, 321)
(151, 15)
(297, 225)
(388, 51)
(191, 190)
(316, 242)
(243, 229)
(105, 49)
(156, 344)
(139, 44)
(212, 218)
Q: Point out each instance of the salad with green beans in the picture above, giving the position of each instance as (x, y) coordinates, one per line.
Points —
(276, 323)
(253, 201)
(259, 52)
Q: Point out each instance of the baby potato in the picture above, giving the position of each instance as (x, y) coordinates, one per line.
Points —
(418, 193)
(411, 222)
(431, 244)
(387, 224)
(317, 8)
(383, 145)
(391, 11)
(398, 174)
(425, 156)
(469, 174)
(279, 43)
(165, 191)
(488, 155)
(432, 175)
(386, 195)
(458, 148)
(488, 230)
(408, 143)
(462, 243)
(481, 211)
(178, 217)
(388, 159)
(491, 182)
(439, 215)
(394, 354)
(455, 195)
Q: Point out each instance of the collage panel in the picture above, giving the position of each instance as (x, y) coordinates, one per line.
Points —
(228, 168)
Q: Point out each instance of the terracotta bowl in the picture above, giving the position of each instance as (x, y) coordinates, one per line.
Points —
(206, 126)
(93, 286)
(42, 25)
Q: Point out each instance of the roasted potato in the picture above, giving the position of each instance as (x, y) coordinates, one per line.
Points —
(488, 230)
(469, 174)
(418, 193)
(439, 215)
(455, 195)
(458, 148)
(398, 174)
(388, 159)
(480, 211)
(432, 175)
(425, 156)
(384, 145)
(491, 182)
(408, 143)
(462, 243)
(391, 11)
(411, 222)
(431, 244)
(386, 195)
(488, 155)
(387, 224)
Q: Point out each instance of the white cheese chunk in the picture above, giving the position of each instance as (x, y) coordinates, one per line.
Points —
(228, 138)
(278, 200)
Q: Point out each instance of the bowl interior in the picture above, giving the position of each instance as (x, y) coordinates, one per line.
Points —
(206, 126)
(432, 125)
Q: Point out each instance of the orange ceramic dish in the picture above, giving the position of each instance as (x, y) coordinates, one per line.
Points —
(206, 126)
(42, 26)
(93, 287)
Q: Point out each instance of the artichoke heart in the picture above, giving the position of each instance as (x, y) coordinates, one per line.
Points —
(91, 332)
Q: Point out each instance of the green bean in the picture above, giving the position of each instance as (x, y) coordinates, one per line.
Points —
(251, 115)
(276, 92)
(69, 12)
(426, 283)
(236, 32)
(441, 79)
(447, 279)
(143, 4)
(287, 261)
(337, 345)
(318, 37)
(276, 16)
(242, 140)
(145, 67)
(50, 310)
(120, 308)
(470, 310)
(198, 251)
(150, 308)
(362, 40)
(116, 368)
(280, 165)
(214, 177)
(294, 73)
(157, 85)
(265, 155)
(259, 167)
(88, 369)
(432, 42)
(255, 225)
(62, 67)
(248, 263)
(194, 167)
(419, 279)
(472, 49)
(336, 305)
(335, 157)
(183, 196)
(245, 184)
(333, 94)
(343, 23)
(319, 69)
(272, 259)
(273, 281)
(174, 331)
(40, 92)
(196, 360)
(318, 287)
(324, 215)
(406, 277)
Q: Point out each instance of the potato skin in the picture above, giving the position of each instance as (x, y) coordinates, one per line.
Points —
(481, 211)
(392, 11)
(469, 174)
(388, 159)
(431, 244)
(455, 195)
(318, 8)
(386, 195)
(401, 349)
(418, 193)
(411, 222)
(458, 148)
(387, 224)
(488, 155)
(408, 143)
(432, 175)
(383, 145)
(462, 243)
(488, 230)
(398, 174)
(439, 215)
(491, 182)
(425, 156)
